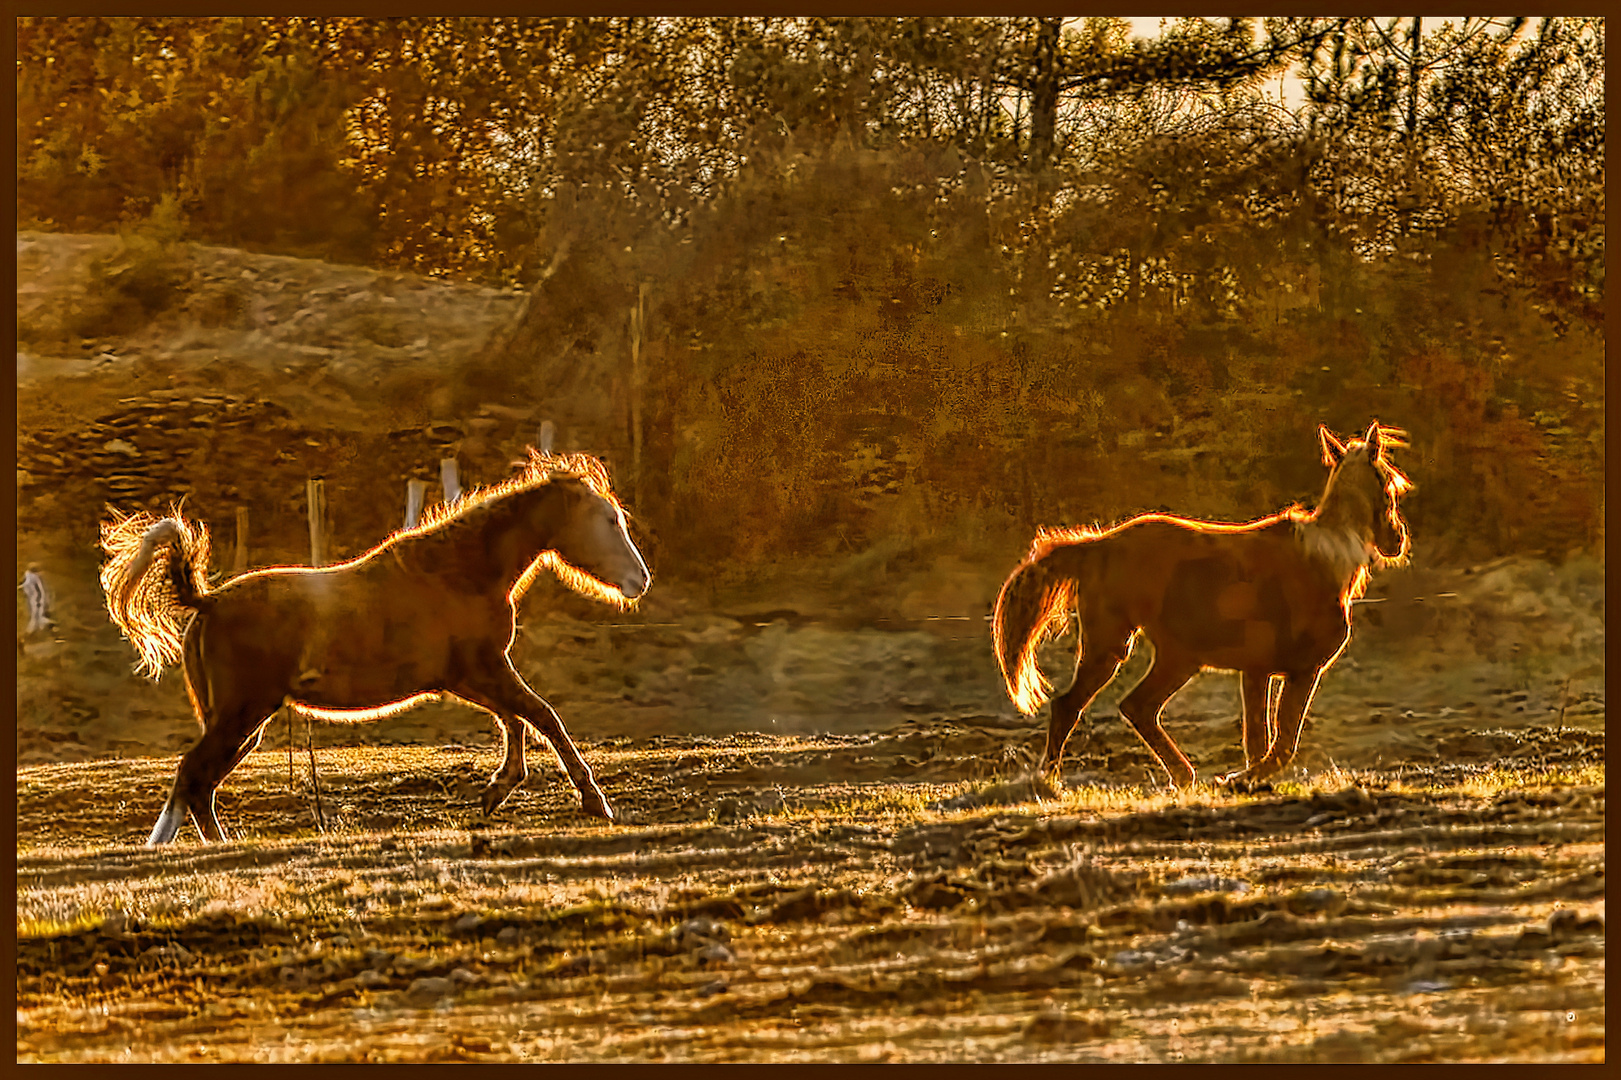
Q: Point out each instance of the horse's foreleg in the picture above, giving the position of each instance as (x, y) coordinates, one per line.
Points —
(514, 770)
(1293, 701)
(1258, 728)
(509, 697)
(1142, 708)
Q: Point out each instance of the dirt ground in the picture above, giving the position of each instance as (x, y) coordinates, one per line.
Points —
(830, 845)
(820, 898)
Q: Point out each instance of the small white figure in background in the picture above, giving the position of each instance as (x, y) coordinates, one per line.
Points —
(39, 601)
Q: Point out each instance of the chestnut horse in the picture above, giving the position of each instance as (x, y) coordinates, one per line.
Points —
(431, 610)
(1270, 599)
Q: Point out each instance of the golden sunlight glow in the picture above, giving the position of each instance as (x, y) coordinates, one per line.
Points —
(1035, 599)
(541, 468)
(1029, 687)
(355, 716)
(143, 605)
(581, 582)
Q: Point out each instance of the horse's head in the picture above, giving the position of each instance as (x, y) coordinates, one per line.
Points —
(1363, 477)
(590, 539)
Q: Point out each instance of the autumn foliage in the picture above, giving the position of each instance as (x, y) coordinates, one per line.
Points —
(918, 285)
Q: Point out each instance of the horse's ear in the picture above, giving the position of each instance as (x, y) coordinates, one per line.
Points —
(1374, 438)
(1333, 449)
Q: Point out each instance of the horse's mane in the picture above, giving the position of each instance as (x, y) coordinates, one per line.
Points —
(541, 468)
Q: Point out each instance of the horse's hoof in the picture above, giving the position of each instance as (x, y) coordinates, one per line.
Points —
(598, 808)
(492, 800)
(1242, 784)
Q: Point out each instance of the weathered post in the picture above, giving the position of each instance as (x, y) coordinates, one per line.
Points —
(449, 480)
(239, 563)
(547, 435)
(416, 493)
(315, 492)
(637, 313)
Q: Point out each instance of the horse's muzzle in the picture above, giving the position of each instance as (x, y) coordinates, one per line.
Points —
(632, 586)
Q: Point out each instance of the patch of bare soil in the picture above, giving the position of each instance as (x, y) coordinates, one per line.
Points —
(895, 896)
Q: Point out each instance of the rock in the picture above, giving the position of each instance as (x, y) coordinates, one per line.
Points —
(711, 989)
(1052, 1024)
(379, 958)
(714, 955)
(338, 941)
(702, 931)
(468, 923)
(507, 936)
(1562, 923)
(463, 977)
(937, 896)
(371, 979)
(1426, 986)
(1190, 885)
(158, 954)
(1082, 885)
(1316, 902)
(429, 990)
(1131, 959)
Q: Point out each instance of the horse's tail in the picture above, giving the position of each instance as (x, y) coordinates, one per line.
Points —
(151, 608)
(1034, 602)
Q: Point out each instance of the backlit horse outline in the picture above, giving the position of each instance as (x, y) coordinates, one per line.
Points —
(431, 610)
(1270, 599)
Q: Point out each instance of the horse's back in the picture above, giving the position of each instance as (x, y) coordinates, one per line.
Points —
(1235, 596)
(357, 636)
(1155, 545)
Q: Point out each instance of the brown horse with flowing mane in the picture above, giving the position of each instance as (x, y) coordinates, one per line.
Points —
(1270, 599)
(431, 610)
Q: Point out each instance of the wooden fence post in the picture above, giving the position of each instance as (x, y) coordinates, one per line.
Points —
(315, 490)
(637, 313)
(548, 434)
(416, 493)
(449, 480)
(239, 563)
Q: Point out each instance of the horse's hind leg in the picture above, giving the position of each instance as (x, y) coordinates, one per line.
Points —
(223, 746)
(1142, 706)
(1102, 652)
(505, 693)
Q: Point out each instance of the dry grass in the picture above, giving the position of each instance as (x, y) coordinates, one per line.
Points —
(792, 899)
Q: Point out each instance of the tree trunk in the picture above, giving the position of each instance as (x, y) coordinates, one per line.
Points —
(1414, 72)
(1044, 92)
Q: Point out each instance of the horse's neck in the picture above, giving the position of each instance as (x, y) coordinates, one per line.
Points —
(495, 544)
(513, 535)
(1336, 540)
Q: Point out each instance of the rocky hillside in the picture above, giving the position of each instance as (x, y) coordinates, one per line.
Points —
(262, 371)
